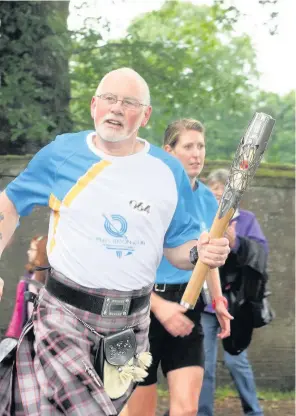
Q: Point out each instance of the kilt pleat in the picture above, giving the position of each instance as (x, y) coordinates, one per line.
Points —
(55, 355)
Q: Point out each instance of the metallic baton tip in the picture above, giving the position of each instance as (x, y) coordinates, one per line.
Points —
(186, 305)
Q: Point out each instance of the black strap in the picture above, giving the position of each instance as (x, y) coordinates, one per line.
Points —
(86, 301)
(41, 268)
(163, 287)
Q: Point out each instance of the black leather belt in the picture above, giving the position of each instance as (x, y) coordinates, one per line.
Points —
(164, 287)
(100, 305)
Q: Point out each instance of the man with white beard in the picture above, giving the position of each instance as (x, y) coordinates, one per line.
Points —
(117, 204)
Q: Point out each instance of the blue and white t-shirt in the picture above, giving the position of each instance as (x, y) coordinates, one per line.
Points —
(206, 207)
(111, 216)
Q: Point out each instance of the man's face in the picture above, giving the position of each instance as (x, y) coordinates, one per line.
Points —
(190, 150)
(113, 121)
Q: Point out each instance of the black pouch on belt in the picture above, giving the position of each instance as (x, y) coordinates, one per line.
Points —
(114, 362)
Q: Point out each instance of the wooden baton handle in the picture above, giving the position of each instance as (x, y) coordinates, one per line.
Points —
(200, 270)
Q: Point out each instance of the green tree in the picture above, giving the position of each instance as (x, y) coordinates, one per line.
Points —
(282, 108)
(192, 62)
(35, 87)
(269, 9)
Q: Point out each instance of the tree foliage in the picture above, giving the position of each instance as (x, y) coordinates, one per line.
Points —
(193, 64)
(35, 87)
(282, 146)
(190, 56)
(269, 7)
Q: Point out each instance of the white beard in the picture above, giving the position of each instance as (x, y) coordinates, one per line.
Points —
(112, 139)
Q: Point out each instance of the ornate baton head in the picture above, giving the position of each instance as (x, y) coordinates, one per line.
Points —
(247, 158)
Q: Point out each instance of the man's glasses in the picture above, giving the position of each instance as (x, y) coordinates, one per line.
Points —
(128, 103)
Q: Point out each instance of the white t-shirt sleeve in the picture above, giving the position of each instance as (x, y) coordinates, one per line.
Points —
(184, 225)
(33, 186)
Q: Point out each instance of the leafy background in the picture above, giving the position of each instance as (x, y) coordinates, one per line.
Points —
(193, 60)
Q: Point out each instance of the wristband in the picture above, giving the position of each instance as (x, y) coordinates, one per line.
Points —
(220, 299)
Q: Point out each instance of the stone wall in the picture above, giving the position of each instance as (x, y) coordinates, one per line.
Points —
(271, 198)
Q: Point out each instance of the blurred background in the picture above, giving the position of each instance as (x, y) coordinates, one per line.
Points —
(218, 61)
(214, 60)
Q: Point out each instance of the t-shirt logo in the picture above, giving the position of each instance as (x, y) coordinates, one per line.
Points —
(116, 227)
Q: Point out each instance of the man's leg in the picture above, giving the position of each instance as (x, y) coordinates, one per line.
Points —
(206, 401)
(243, 377)
(184, 386)
(142, 402)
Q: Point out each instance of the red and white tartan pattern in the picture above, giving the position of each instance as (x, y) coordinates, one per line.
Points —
(55, 374)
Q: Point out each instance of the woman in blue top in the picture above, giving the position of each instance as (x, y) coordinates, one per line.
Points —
(247, 260)
(175, 335)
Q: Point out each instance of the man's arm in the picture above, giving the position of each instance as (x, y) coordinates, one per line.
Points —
(32, 187)
(212, 252)
(180, 256)
(8, 220)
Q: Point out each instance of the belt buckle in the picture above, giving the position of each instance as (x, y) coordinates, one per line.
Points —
(116, 307)
(158, 289)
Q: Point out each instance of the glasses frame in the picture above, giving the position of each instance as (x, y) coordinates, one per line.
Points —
(116, 99)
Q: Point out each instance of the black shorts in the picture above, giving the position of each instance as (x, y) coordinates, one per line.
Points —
(171, 352)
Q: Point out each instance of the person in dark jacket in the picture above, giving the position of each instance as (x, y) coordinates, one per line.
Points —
(242, 276)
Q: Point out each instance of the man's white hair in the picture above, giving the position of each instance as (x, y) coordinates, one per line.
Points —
(130, 73)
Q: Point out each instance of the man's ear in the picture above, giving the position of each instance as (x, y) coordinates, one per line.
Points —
(93, 107)
(147, 116)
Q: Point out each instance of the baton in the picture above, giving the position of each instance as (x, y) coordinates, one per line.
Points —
(245, 163)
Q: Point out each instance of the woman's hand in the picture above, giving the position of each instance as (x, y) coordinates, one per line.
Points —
(224, 319)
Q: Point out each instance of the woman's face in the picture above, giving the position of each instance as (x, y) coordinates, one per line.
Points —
(32, 252)
(217, 188)
(190, 150)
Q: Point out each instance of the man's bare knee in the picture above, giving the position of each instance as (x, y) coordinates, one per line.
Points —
(187, 409)
(184, 405)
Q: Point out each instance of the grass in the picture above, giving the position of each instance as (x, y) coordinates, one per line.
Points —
(162, 391)
(228, 391)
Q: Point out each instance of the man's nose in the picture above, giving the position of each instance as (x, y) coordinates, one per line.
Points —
(117, 108)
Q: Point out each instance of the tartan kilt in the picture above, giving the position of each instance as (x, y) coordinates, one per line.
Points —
(53, 373)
